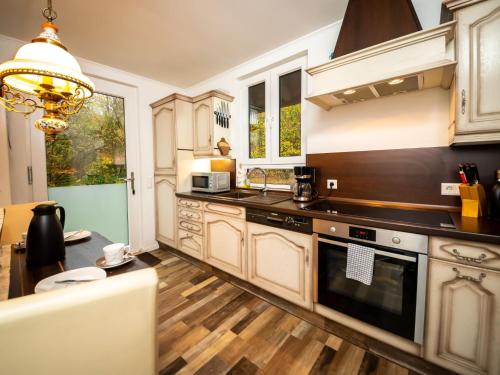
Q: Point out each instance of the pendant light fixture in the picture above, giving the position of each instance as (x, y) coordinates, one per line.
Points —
(44, 69)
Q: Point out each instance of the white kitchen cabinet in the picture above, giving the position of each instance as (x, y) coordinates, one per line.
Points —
(279, 261)
(476, 118)
(166, 217)
(164, 138)
(206, 132)
(225, 243)
(463, 318)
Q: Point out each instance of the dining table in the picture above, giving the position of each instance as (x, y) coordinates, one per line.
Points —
(22, 279)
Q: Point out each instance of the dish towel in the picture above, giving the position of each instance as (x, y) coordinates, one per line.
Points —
(360, 261)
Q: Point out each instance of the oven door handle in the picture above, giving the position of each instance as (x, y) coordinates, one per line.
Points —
(378, 252)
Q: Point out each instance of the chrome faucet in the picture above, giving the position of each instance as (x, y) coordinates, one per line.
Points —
(264, 189)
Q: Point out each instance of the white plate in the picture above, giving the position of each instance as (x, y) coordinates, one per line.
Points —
(101, 262)
(84, 273)
(76, 235)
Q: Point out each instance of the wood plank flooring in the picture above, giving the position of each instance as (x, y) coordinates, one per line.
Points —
(209, 326)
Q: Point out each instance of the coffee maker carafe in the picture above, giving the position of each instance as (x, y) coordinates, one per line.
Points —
(45, 239)
(303, 189)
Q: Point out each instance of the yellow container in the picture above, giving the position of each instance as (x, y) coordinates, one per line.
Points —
(473, 200)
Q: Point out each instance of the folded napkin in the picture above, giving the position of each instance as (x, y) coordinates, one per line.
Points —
(360, 261)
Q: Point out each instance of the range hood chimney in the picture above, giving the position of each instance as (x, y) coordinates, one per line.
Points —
(370, 22)
(381, 51)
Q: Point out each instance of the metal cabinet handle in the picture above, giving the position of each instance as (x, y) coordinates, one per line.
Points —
(480, 278)
(187, 237)
(464, 101)
(307, 257)
(479, 259)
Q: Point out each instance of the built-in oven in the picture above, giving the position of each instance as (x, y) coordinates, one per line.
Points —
(395, 299)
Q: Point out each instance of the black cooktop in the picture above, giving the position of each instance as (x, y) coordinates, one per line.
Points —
(428, 218)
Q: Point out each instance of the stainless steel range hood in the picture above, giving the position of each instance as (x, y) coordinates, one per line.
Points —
(415, 61)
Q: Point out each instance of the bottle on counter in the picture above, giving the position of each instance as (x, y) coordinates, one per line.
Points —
(495, 199)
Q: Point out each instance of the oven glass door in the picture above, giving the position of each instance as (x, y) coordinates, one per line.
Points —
(388, 303)
(200, 182)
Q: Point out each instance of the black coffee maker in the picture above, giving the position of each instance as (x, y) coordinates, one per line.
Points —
(303, 189)
(45, 239)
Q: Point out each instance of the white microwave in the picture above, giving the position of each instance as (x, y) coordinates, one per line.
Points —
(210, 182)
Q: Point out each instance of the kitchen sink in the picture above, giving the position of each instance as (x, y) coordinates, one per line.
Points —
(236, 195)
(254, 197)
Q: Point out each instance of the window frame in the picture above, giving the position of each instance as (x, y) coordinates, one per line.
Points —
(271, 79)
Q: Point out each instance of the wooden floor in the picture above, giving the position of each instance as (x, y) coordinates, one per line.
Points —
(209, 326)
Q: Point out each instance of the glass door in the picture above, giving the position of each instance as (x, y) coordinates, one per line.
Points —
(91, 168)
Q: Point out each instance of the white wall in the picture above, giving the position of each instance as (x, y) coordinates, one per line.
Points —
(5, 196)
(418, 119)
(148, 91)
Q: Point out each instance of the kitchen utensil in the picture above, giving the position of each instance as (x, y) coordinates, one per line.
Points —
(73, 281)
(45, 239)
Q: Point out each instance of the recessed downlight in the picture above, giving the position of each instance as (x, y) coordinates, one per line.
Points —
(349, 92)
(396, 81)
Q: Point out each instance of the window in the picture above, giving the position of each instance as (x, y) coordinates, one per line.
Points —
(272, 107)
(92, 150)
(276, 177)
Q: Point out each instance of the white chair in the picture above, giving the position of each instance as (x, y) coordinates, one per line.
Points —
(102, 327)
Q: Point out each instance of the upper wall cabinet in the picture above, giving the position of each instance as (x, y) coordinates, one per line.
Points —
(475, 117)
(164, 138)
(211, 122)
(172, 131)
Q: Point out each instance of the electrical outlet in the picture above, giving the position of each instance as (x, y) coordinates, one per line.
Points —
(331, 184)
(450, 188)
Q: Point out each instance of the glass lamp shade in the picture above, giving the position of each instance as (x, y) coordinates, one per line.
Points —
(45, 62)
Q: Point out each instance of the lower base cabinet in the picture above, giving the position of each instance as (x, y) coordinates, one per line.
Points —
(463, 318)
(225, 246)
(166, 210)
(279, 261)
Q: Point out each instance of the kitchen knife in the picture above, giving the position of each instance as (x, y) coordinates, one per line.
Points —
(474, 173)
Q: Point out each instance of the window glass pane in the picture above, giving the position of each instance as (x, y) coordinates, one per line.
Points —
(290, 103)
(256, 121)
(274, 176)
(92, 150)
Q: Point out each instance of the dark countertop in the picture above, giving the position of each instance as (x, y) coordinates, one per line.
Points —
(471, 229)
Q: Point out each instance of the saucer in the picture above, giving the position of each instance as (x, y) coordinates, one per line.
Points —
(101, 262)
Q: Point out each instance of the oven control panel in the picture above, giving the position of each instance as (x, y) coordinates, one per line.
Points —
(363, 234)
(376, 236)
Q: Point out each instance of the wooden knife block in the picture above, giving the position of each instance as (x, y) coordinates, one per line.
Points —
(473, 200)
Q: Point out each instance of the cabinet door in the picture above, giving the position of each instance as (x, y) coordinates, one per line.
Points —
(225, 243)
(203, 127)
(165, 210)
(164, 138)
(279, 261)
(463, 318)
(478, 69)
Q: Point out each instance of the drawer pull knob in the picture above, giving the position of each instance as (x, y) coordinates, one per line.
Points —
(479, 259)
(480, 278)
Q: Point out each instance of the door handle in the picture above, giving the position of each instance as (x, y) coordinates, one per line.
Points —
(132, 181)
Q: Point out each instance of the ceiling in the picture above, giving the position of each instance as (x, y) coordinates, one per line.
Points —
(180, 42)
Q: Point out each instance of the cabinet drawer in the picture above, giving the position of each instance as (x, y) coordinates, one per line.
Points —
(224, 209)
(191, 226)
(190, 243)
(465, 252)
(189, 203)
(193, 215)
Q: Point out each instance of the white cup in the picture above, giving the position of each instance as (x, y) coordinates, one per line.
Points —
(114, 253)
